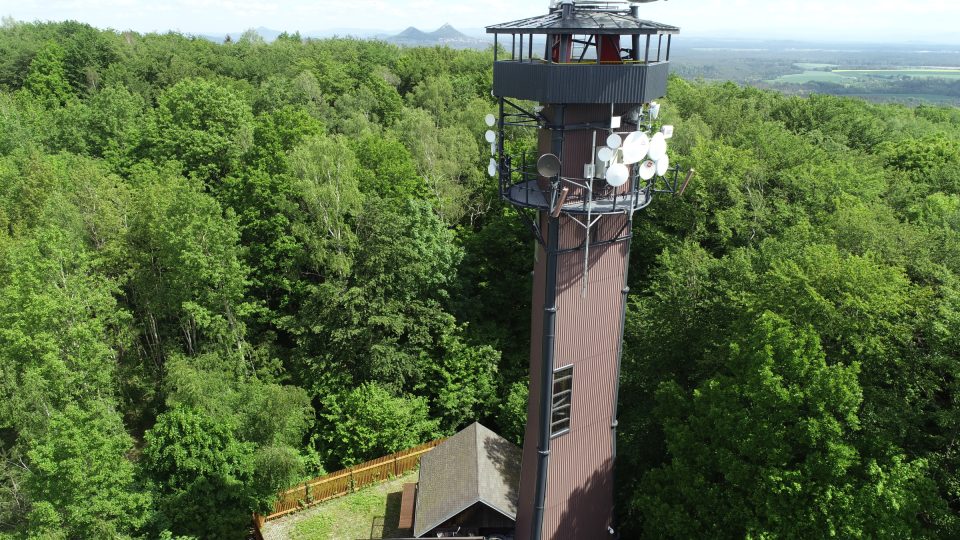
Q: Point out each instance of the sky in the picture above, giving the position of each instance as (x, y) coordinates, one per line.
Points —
(936, 21)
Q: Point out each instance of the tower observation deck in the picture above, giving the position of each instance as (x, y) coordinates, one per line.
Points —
(586, 77)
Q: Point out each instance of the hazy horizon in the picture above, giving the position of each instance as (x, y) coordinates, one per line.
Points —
(874, 21)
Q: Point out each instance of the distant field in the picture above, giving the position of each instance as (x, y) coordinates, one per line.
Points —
(914, 73)
(809, 66)
(815, 76)
(848, 76)
(909, 98)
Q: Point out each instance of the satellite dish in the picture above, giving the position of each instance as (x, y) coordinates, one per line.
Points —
(658, 146)
(492, 168)
(617, 174)
(548, 165)
(654, 110)
(648, 169)
(635, 147)
(604, 154)
(491, 136)
(491, 120)
(614, 141)
(663, 165)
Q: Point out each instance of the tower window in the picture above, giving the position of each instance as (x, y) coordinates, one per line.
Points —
(562, 392)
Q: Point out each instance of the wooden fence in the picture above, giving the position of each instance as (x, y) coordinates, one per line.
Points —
(346, 481)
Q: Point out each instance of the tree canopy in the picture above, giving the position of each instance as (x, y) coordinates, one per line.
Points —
(227, 268)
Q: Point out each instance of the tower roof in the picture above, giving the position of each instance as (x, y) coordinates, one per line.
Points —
(475, 465)
(584, 21)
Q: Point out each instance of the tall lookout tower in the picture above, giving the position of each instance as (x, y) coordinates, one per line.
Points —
(594, 69)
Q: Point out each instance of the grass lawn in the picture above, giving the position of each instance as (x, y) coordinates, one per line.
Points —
(369, 513)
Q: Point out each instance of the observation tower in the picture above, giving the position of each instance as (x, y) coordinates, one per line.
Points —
(585, 76)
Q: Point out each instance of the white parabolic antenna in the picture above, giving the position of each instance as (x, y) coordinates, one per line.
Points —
(648, 169)
(658, 146)
(492, 168)
(491, 120)
(617, 174)
(614, 141)
(635, 147)
(663, 165)
(604, 154)
(491, 136)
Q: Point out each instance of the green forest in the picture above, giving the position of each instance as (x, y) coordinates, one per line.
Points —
(226, 268)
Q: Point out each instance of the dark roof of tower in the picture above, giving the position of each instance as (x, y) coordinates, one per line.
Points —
(584, 22)
(475, 465)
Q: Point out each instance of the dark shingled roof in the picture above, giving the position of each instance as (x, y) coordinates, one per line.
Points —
(583, 22)
(475, 465)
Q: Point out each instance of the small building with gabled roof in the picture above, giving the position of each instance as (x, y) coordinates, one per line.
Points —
(469, 484)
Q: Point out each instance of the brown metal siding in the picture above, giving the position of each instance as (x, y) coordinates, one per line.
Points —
(578, 144)
(579, 502)
(580, 497)
(528, 467)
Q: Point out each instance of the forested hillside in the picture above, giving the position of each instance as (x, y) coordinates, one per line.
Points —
(226, 268)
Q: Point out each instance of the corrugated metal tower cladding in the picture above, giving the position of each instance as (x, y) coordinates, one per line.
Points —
(593, 61)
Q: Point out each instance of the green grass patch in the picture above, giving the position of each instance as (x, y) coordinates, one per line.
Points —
(318, 527)
(812, 66)
(850, 76)
(815, 76)
(370, 513)
(912, 73)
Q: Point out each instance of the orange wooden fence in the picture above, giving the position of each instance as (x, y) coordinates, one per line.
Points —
(346, 481)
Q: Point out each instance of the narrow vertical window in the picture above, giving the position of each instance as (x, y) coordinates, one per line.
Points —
(562, 392)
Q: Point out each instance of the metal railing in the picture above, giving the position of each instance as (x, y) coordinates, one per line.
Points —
(521, 184)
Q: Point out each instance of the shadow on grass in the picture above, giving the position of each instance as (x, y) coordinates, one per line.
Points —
(387, 525)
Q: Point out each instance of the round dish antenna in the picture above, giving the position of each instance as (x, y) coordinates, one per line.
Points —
(604, 154)
(648, 169)
(663, 165)
(491, 120)
(658, 146)
(614, 141)
(635, 147)
(548, 165)
(491, 136)
(617, 174)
